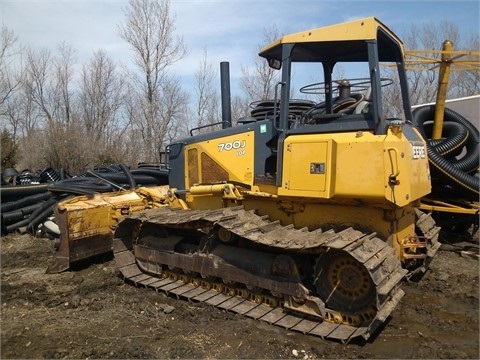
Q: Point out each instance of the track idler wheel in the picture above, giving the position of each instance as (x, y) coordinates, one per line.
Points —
(343, 283)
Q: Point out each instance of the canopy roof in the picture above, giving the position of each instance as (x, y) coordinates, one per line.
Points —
(341, 42)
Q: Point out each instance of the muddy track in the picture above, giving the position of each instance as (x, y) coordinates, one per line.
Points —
(371, 252)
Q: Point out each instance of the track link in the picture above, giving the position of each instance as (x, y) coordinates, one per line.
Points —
(371, 252)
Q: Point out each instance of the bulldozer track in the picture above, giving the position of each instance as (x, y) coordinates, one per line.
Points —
(372, 253)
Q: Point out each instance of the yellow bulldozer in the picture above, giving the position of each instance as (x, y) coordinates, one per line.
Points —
(304, 214)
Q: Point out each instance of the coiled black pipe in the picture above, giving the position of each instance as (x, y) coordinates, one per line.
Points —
(454, 138)
(455, 175)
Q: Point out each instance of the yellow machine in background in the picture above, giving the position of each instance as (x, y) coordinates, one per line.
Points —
(305, 214)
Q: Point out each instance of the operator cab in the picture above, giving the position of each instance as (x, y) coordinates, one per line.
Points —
(335, 104)
(363, 46)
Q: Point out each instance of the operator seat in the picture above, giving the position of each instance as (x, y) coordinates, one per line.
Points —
(363, 107)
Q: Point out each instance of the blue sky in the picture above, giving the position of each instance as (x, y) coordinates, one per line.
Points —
(230, 30)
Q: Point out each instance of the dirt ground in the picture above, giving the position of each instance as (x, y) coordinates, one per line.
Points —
(89, 312)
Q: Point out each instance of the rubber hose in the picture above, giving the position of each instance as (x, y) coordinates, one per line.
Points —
(451, 174)
(32, 199)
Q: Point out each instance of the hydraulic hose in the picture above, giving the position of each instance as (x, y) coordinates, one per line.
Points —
(455, 175)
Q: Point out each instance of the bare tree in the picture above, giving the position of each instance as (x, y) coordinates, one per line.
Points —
(149, 29)
(63, 69)
(424, 82)
(101, 95)
(465, 77)
(206, 95)
(258, 83)
(8, 80)
(47, 103)
(38, 82)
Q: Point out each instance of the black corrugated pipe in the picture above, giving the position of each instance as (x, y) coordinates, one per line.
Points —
(43, 213)
(36, 214)
(129, 176)
(454, 138)
(63, 174)
(32, 199)
(19, 214)
(10, 193)
(120, 178)
(49, 175)
(160, 174)
(452, 175)
(225, 92)
(80, 186)
(18, 225)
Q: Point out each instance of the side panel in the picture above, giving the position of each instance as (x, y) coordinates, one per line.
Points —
(356, 167)
(234, 154)
(228, 158)
(308, 167)
(343, 166)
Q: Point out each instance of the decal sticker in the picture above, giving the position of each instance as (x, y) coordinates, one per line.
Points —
(234, 145)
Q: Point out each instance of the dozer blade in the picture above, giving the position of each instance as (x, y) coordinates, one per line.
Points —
(87, 222)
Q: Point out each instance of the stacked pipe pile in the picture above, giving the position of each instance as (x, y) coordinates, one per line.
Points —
(28, 199)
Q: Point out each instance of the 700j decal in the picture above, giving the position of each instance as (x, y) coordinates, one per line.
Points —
(233, 145)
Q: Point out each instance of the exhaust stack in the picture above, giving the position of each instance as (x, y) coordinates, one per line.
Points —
(225, 91)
